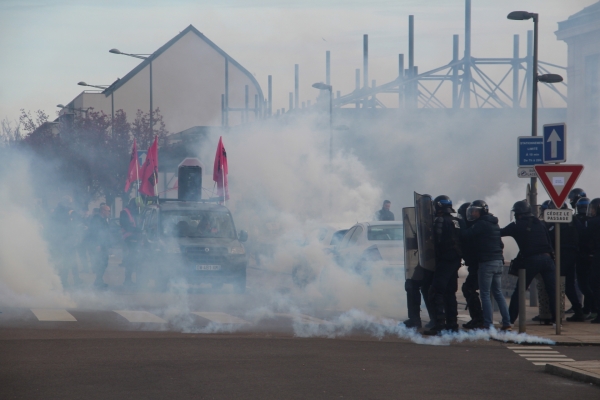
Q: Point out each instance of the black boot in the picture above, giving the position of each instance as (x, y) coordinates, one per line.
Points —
(409, 323)
(436, 330)
(474, 324)
(578, 315)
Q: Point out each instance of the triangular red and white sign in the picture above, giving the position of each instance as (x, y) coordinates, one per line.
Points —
(558, 180)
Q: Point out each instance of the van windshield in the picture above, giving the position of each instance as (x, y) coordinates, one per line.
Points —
(194, 223)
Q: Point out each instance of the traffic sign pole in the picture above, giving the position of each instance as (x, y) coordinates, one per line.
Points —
(557, 307)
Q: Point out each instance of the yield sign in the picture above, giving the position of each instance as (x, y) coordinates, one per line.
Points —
(558, 180)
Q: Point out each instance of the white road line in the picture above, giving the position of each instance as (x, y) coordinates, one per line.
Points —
(307, 319)
(544, 363)
(221, 318)
(542, 355)
(529, 347)
(535, 352)
(140, 316)
(552, 359)
(49, 314)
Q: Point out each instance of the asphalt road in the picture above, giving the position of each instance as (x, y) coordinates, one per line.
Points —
(64, 364)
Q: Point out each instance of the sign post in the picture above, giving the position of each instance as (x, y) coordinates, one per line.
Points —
(558, 180)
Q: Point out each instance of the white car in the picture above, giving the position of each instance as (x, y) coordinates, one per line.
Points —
(370, 248)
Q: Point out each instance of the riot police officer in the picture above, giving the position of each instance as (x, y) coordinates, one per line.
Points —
(584, 262)
(536, 251)
(471, 285)
(569, 247)
(442, 293)
(592, 233)
(575, 195)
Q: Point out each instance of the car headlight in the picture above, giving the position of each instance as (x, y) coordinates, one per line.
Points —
(237, 248)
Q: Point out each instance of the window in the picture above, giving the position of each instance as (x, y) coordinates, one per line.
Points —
(385, 232)
(592, 88)
(194, 223)
(346, 238)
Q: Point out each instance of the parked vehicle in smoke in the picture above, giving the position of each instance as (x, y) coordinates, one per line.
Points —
(193, 241)
(305, 271)
(370, 248)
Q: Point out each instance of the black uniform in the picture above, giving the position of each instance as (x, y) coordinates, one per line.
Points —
(535, 248)
(471, 286)
(584, 268)
(99, 237)
(442, 293)
(592, 236)
(569, 247)
(385, 215)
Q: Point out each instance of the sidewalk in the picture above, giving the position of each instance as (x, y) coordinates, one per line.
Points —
(584, 371)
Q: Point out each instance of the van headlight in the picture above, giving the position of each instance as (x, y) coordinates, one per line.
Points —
(237, 248)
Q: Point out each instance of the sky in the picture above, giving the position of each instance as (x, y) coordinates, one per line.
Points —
(48, 46)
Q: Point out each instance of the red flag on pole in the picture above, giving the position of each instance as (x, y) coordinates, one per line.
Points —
(221, 170)
(149, 172)
(133, 173)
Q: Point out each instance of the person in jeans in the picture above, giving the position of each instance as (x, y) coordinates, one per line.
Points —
(484, 234)
(535, 250)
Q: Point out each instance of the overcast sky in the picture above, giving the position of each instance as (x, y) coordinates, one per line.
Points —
(47, 46)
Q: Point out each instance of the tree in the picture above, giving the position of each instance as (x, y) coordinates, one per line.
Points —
(142, 132)
(9, 134)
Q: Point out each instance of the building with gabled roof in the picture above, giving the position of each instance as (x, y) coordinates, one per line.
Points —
(581, 32)
(192, 81)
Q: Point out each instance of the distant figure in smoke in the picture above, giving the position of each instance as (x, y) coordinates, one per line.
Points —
(128, 220)
(385, 214)
(484, 236)
(471, 285)
(99, 236)
(442, 293)
(65, 238)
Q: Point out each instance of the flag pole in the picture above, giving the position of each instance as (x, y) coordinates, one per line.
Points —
(223, 174)
(137, 180)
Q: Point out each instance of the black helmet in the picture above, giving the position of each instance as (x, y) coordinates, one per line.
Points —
(462, 210)
(443, 204)
(521, 208)
(575, 195)
(479, 206)
(546, 205)
(594, 208)
(582, 205)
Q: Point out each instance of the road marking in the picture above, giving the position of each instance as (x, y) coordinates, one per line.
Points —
(221, 318)
(307, 319)
(140, 316)
(539, 355)
(542, 355)
(535, 352)
(49, 314)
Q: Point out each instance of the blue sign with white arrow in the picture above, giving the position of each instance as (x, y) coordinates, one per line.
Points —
(555, 143)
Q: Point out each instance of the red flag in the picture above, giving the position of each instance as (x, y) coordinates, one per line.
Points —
(149, 172)
(133, 174)
(221, 170)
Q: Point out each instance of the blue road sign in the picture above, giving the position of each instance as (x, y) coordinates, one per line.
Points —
(530, 151)
(555, 143)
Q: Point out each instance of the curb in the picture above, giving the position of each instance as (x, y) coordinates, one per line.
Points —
(568, 371)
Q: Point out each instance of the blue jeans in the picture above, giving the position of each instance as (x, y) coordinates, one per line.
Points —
(490, 277)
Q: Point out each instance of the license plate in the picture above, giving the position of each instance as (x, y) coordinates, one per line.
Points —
(206, 267)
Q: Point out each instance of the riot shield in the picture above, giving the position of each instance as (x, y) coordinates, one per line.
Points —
(411, 248)
(425, 238)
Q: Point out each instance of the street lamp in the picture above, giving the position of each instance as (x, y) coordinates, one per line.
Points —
(112, 99)
(141, 57)
(547, 78)
(324, 86)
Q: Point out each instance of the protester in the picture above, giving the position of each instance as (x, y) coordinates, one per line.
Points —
(535, 253)
(484, 237)
(99, 237)
(128, 220)
(385, 214)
